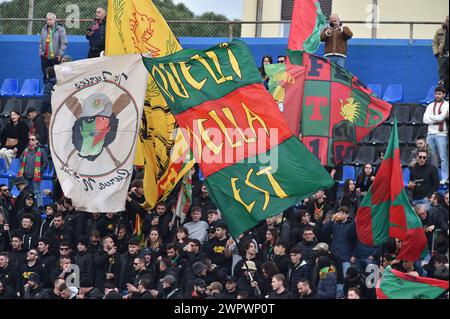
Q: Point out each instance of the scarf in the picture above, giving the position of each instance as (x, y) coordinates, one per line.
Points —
(441, 125)
(37, 164)
(51, 54)
(325, 271)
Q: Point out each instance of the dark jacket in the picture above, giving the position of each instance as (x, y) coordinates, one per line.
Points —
(344, 236)
(38, 126)
(56, 236)
(30, 161)
(18, 131)
(74, 220)
(295, 275)
(327, 286)
(85, 262)
(29, 238)
(426, 178)
(286, 294)
(103, 264)
(45, 225)
(33, 212)
(171, 293)
(47, 98)
(10, 278)
(215, 250)
(38, 293)
(94, 293)
(243, 284)
(97, 39)
(48, 263)
(308, 255)
(17, 258)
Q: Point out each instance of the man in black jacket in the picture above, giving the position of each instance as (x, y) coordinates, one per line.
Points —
(73, 218)
(17, 255)
(84, 259)
(87, 291)
(297, 271)
(19, 203)
(108, 265)
(27, 232)
(306, 250)
(96, 34)
(47, 260)
(33, 289)
(279, 290)
(423, 180)
(8, 273)
(58, 232)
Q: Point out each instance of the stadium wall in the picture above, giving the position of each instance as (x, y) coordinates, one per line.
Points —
(382, 61)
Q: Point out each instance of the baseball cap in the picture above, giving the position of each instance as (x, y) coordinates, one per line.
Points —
(168, 279)
(215, 285)
(34, 277)
(322, 246)
(230, 279)
(250, 265)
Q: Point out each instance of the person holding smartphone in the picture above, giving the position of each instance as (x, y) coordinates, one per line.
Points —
(335, 37)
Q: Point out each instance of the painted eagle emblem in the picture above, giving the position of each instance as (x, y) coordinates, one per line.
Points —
(350, 110)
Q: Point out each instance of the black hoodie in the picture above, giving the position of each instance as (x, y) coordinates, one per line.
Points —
(56, 236)
(10, 278)
(426, 178)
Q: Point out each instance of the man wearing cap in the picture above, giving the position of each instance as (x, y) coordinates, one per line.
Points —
(251, 280)
(37, 125)
(29, 210)
(84, 259)
(169, 289)
(198, 271)
(215, 291)
(230, 288)
(33, 289)
(216, 248)
(87, 291)
(22, 186)
(33, 163)
(198, 290)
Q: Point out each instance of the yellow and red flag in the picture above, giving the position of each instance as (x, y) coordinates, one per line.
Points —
(136, 26)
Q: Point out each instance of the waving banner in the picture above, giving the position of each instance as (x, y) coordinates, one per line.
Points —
(97, 105)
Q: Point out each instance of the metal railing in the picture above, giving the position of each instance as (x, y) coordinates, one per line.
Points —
(233, 24)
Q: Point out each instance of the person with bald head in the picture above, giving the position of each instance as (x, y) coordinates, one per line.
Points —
(96, 34)
(335, 37)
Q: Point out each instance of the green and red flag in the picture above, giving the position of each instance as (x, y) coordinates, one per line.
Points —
(184, 199)
(254, 167)
(385, 210)
(307, 23)
(398, 285)
(286, 82)
(338, 110)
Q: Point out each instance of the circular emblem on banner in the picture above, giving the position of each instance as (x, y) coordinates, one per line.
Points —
(94, 130)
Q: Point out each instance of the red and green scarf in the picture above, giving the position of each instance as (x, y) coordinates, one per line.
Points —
(37, 164)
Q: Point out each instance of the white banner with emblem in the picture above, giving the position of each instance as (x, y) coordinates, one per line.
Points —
(96, 110)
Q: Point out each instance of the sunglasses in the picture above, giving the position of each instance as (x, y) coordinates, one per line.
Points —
(5, 190)
(32, 139)
(422, 157)
(64, 248)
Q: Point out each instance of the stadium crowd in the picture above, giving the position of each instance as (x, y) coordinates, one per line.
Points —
(310, 251)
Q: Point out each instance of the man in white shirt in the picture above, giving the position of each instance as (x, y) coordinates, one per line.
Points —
(436, 116)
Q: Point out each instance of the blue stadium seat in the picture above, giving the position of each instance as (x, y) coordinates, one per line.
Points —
(4, 181)
(13, 169)
(348, 172)
(46, 184)
(12, 104)
(430, 96)
(406, 174)
(376, 88)
(2, 168)
(393, 93)
(49, 171)
(30, 88)
(15, 191)
(10, 87)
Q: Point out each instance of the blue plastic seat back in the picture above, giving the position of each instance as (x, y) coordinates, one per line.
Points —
(10, 87)
(376, 88)
(406, 174)
(393, 93)
(430, 95)
(29, 88)
(13, 168)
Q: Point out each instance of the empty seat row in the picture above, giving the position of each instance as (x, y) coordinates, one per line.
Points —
(406, 134)
(394, 93)
(369, 154)
(20, 106)
(30, 88)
